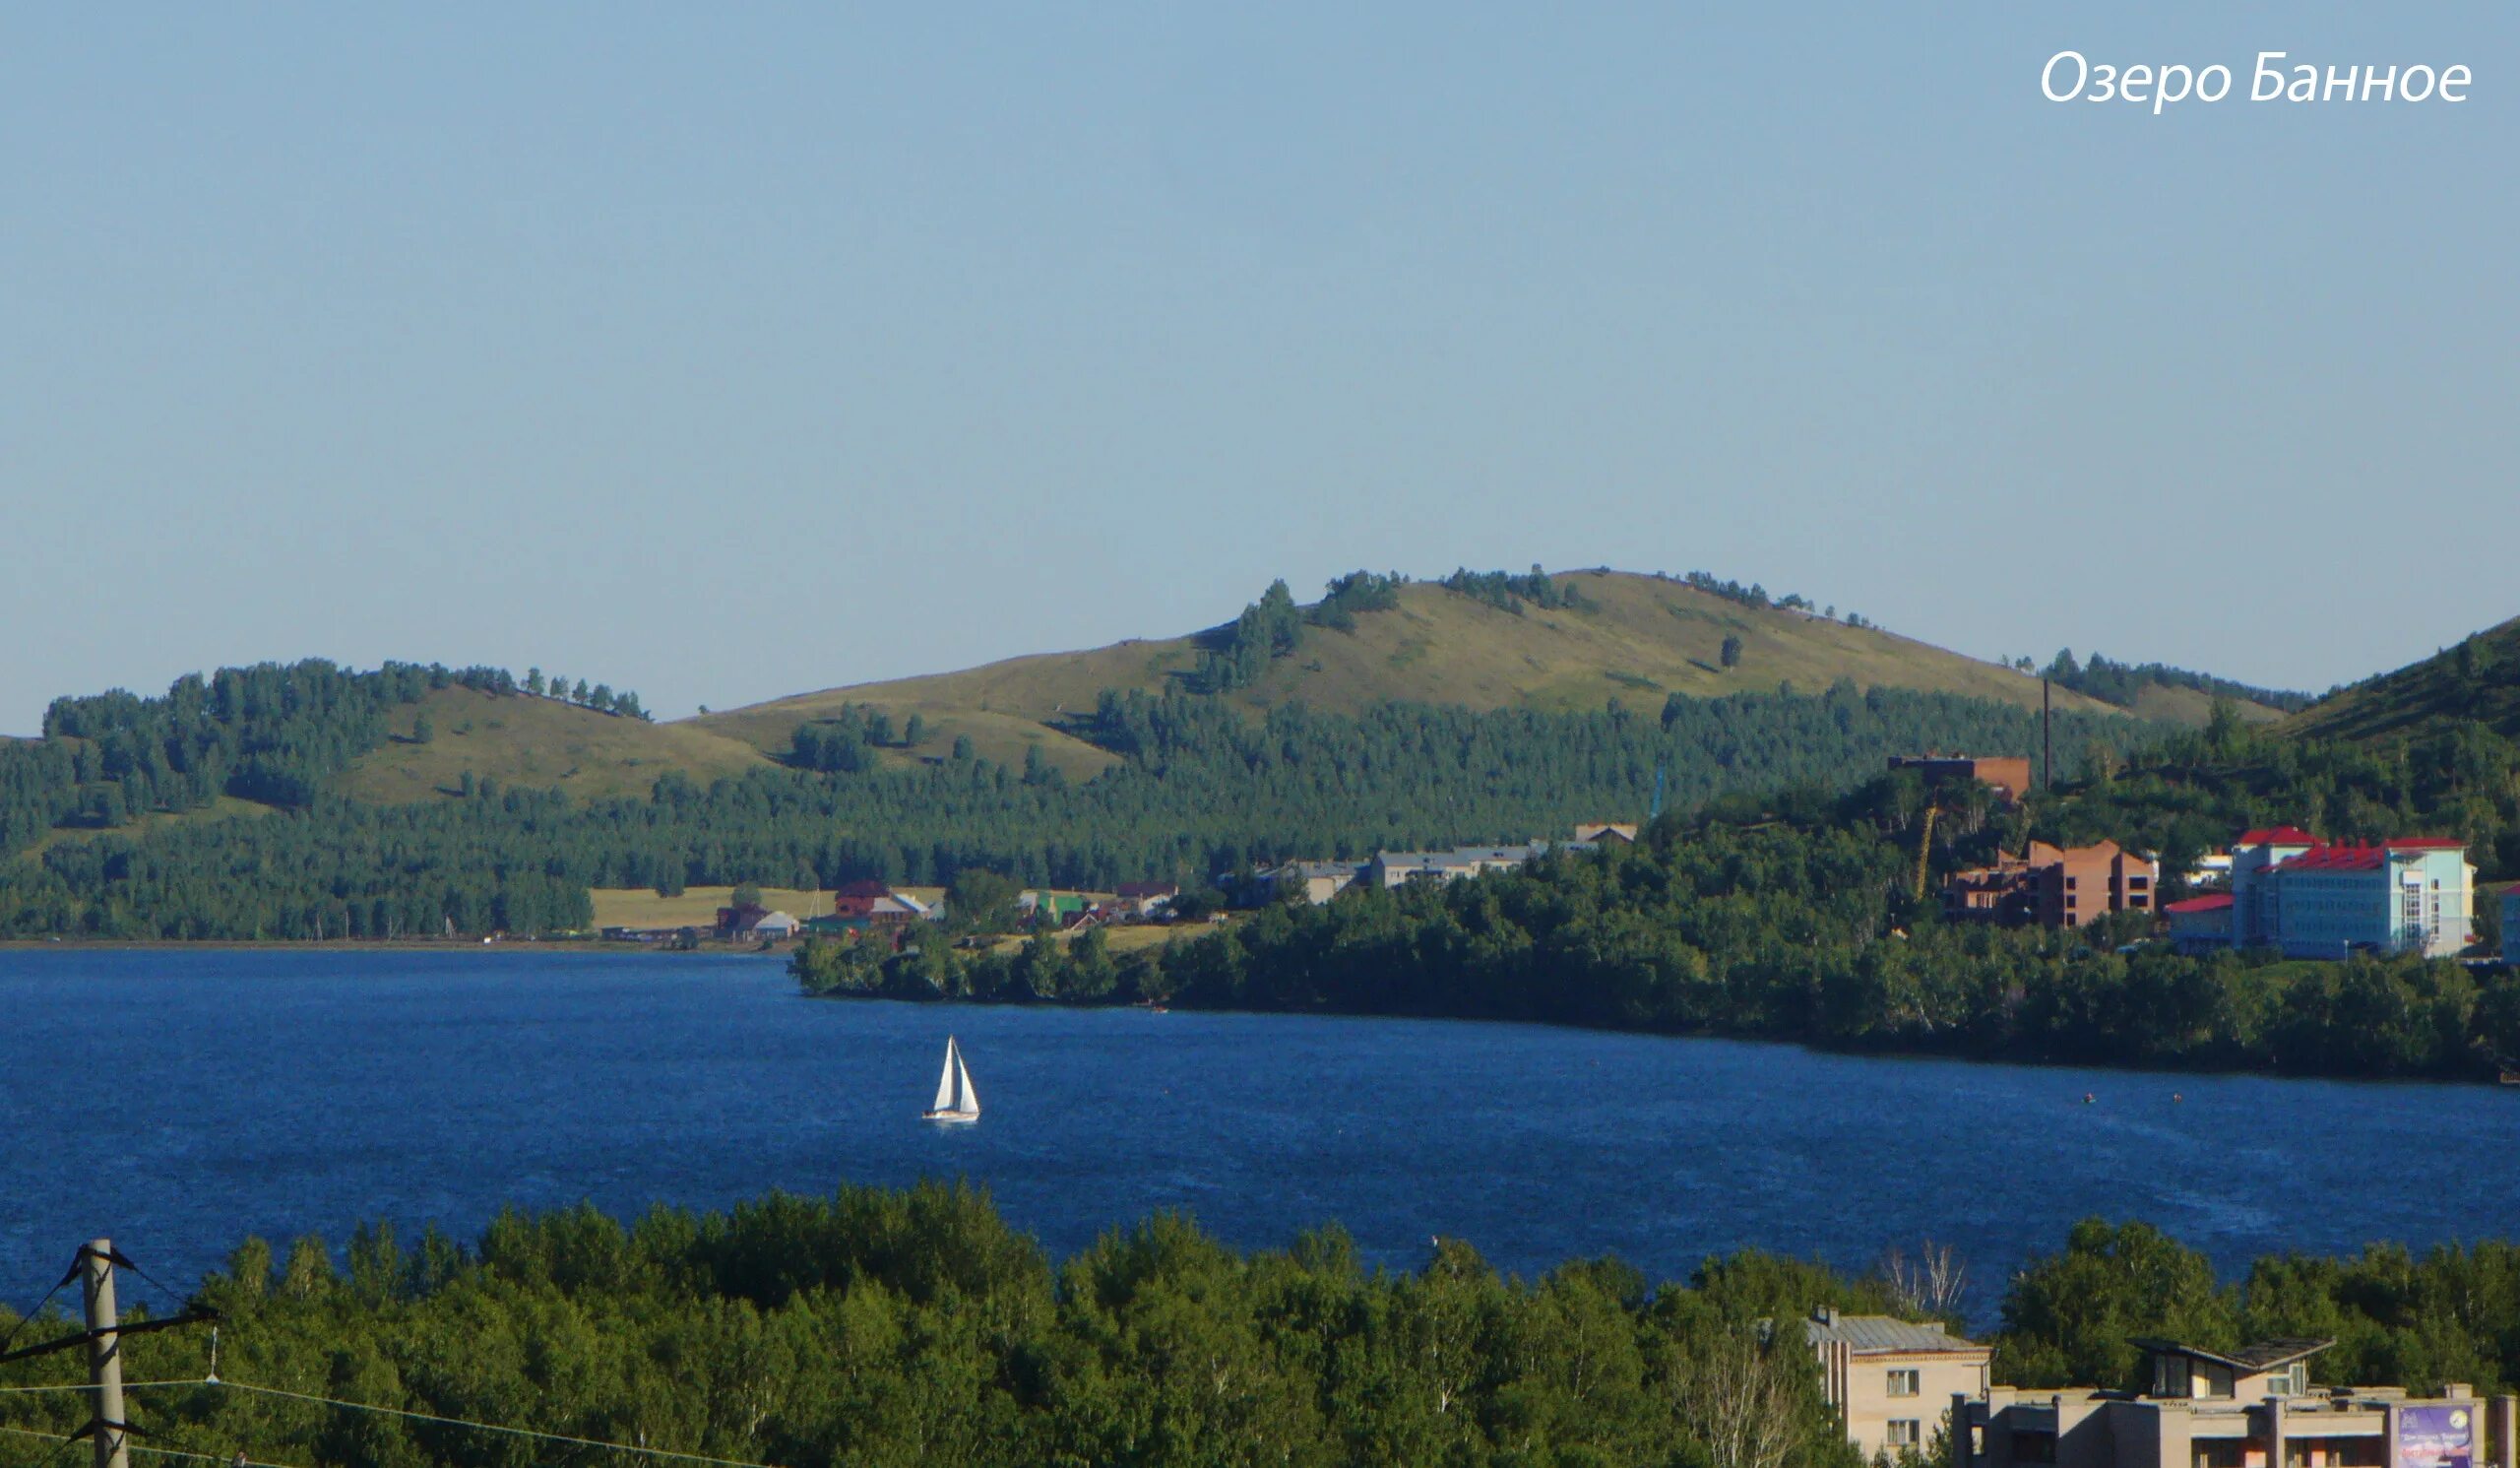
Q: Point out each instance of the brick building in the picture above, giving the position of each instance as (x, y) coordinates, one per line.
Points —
(2054, 886)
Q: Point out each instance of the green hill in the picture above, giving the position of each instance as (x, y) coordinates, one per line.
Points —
(1636, 640)
(2479, 679)
(522, 740)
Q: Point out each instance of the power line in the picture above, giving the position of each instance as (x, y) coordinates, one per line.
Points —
(127, 1385)
(165, 1452)
(485, 1427)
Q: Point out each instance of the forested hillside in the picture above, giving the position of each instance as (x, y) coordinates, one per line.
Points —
(1195, 787)
(2476, 681)
(916, 1326)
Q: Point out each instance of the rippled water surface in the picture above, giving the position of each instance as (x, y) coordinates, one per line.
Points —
(181, 1100)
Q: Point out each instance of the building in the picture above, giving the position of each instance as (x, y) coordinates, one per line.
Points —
(863, 905)
(1390, 869)
(1891, 1380)
(2317, 899)
(1145, 899)
(1593, 833)
(2249, 1408)
(2253, 857)
(1319, 881)
(736, 922)
(774, 928)
(2201, 925)
(2007, 775)
(2054, 886)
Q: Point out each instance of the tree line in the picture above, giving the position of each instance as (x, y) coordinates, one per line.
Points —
(1792, 920)
(1200, 788)
(882, 1326)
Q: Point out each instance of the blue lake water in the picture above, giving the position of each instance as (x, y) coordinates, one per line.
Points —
(181, 1101)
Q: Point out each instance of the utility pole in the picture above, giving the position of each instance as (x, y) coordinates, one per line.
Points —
(105, 1356)
(2047, 738)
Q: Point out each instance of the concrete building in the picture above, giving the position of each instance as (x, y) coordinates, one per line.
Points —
(1889, 1379)
(1390, 869)
(2054, 886)
(2254, 858)
(2249, 1408)
(2317, 899)
(2007, 775)
(1319, 881)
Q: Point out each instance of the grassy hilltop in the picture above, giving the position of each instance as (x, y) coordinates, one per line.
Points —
(1637, 640)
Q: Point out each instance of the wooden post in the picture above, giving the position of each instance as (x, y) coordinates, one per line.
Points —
(105, 1356)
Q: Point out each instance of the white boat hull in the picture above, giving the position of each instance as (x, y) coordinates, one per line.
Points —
(949, 1115)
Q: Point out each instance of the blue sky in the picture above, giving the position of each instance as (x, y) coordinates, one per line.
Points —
(726, 355)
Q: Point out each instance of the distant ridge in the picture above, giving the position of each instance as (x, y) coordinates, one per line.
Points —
(1632, 639)
(2477, 679)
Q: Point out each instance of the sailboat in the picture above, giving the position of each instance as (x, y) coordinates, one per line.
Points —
(955, 1101)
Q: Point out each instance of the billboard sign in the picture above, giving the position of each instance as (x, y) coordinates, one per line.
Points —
(2437, 1437)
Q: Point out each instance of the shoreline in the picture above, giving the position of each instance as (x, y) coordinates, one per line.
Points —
(598, 949)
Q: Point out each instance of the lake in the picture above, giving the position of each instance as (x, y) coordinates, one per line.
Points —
(181, 1100)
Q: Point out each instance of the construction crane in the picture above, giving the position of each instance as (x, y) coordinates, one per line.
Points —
(1924, 846)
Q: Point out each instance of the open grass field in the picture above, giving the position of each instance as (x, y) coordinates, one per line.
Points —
(638, 907)
(1643, 639)
(540, 742)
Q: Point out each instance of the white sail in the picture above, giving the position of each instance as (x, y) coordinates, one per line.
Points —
(945, 1082)
(968, 1102)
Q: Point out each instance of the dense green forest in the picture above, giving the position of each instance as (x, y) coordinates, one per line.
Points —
(1201, 788)
(882, 1327)
(1794, 916)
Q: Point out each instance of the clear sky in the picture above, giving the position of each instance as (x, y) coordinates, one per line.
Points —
(722, 352)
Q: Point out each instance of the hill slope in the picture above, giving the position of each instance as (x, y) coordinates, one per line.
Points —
(2479, 679)
(542, 742)
(1640, 639)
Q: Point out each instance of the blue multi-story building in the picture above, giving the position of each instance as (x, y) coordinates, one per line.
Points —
(2319, 899)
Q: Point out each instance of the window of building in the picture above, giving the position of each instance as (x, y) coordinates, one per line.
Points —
(1902, 1384)
(2070, 883)
(1903, 1433)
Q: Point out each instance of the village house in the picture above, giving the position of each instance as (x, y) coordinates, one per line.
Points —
(737, 921)
(2249, 1408)
(2054, 886)
(1145, 899)
(1593, 833)
(1891, 1380)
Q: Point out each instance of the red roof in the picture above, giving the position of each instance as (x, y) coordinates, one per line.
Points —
(2428, 844)
(867, 888)
(2278, 836)
(2336, 858)
(2215, 903)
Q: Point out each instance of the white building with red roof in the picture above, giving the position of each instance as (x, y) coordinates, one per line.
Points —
(2320, 899)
